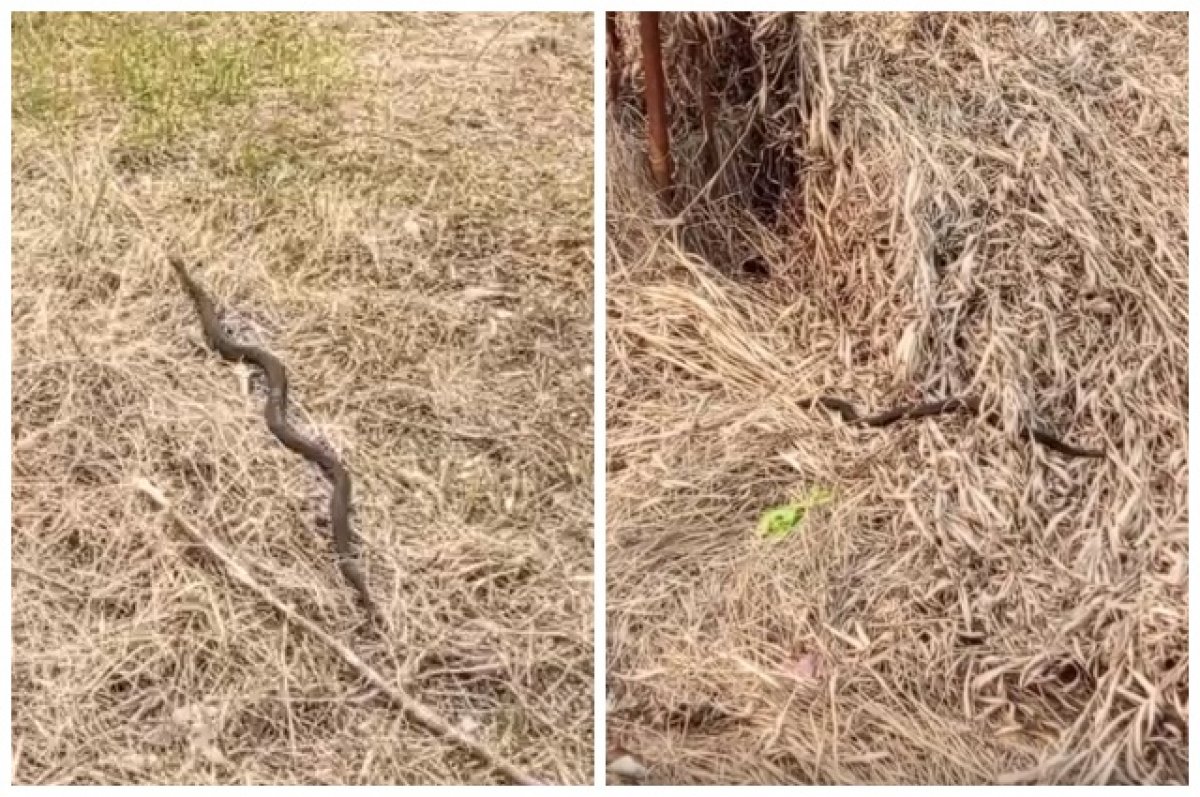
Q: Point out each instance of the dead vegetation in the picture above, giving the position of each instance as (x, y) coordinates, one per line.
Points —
(399, 206)
(912, 206)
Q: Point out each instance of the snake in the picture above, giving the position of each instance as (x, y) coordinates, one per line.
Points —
(275, 413)
(970, 404)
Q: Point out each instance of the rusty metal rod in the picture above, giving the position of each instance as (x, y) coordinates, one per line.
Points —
(656, 101)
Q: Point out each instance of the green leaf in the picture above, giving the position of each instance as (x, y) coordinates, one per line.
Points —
(779, 522)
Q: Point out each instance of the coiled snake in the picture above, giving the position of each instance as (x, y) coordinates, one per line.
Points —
(276, 417)
(969, 404)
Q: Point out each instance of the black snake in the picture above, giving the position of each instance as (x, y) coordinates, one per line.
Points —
(276, 416)
(969, 404)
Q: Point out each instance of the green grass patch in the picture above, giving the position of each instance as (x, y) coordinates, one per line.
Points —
(161, 76)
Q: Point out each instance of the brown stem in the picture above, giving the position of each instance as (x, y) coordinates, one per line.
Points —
(656, 101)
(614, 55)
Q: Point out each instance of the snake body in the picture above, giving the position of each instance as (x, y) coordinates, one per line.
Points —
(926, 409)
(276, 417)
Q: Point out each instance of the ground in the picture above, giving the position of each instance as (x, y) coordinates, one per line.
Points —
(400, 207)
(907, 206)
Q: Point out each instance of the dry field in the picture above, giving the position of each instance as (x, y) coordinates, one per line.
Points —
(910, 207)
(399, 206)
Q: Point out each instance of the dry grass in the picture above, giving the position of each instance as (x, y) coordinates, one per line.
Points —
(400, 207)
(945, 204)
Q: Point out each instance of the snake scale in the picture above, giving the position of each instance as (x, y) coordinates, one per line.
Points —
(276, 417)
(926, 409)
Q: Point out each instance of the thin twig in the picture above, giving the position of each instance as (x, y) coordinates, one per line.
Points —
(414, 708)
(499, 32)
